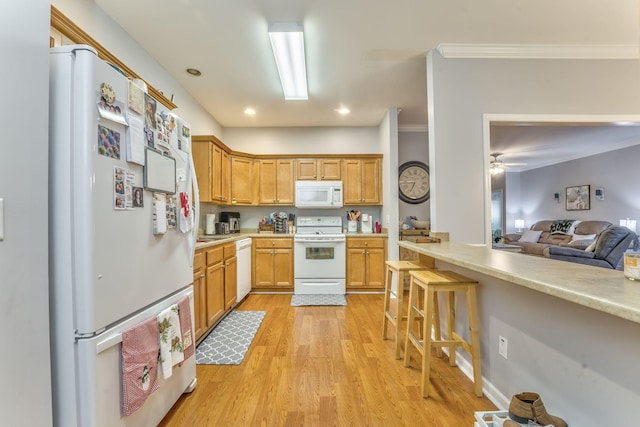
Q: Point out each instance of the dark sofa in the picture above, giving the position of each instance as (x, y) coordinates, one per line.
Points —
(608, 251)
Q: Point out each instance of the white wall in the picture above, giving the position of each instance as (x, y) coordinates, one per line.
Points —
(90, 18)
(614, 171)
(25, 390)
(462, 90)
(303, 140)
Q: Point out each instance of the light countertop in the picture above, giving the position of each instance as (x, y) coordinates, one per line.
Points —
(598, 288)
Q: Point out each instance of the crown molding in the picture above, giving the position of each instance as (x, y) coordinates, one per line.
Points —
(413, 128)
(538, 51)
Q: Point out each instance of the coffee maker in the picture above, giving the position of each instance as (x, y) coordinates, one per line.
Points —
(233, 219)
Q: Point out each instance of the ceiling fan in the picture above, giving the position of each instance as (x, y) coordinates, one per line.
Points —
(498, 166)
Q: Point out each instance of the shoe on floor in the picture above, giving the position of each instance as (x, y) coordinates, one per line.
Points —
(528, 406)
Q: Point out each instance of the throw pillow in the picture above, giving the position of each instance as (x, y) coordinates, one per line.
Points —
(530, 236)
(561, 226)
(583, 237)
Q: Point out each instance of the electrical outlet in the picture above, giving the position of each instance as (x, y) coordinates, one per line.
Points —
(502, 347)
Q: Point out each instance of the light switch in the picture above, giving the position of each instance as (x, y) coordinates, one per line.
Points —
(1, 219)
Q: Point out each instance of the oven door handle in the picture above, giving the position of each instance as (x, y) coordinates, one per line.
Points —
(331, 240)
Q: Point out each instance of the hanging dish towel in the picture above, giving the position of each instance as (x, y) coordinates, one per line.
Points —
(139, 365)
(185, 326)
(170, 340)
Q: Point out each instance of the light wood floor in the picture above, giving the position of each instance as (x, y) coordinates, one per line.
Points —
(325, 366)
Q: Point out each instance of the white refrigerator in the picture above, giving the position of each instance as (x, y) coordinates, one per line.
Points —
(119, 251)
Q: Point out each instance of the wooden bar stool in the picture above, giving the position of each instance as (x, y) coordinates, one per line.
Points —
(400, 268)
(432, 282)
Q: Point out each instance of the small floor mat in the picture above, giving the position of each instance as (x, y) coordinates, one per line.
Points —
(229, 341)
(318, 299)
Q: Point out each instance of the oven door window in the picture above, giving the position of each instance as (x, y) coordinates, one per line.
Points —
(319, 253)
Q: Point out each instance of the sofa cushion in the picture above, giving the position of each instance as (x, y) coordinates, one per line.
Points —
(553, 239)
(530, 236)
(579, 244)
(544, 225)
(592, 227)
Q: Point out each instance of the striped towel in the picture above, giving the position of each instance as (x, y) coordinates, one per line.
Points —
(139, 365)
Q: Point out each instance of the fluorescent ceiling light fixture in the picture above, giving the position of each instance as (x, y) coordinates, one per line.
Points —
(287, 42)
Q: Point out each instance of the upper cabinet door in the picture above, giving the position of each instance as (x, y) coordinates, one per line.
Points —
(276, 178)
(201, 152)
(330, 169)
(361, 181)
(242, 180)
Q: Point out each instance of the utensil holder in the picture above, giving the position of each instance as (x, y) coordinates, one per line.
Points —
(352, 226)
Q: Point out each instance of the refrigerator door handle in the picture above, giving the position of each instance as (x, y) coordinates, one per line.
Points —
(196, 207)
(108, 342)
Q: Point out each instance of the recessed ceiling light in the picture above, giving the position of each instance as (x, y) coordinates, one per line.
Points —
(194, 72)
(343, 110)
(250, 111)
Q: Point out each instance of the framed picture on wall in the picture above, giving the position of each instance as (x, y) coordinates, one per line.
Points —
(578, 198)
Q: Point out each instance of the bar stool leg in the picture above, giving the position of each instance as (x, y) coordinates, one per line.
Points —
(387, 290)
(451, 320)
(475, 340)
(429, 300)
(411, 317)
(437, 334)
(399, 316)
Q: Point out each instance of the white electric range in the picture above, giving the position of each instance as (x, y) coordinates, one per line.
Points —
(319, 265)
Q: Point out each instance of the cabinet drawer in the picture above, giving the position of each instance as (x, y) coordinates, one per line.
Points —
(365, 243)
(198, 260)
(265, 243)
(229, 250)
(215, 255)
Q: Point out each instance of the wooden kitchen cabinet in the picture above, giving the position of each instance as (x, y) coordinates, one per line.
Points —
(366, 259)
(276, 179)
(272, 263)
(242, 183)
(318, 169)
(215, 286)
(215, 305)
(220, 186)
(202, 162)
(230, 275)
(362, 184)
(211, 162)
(199, 294)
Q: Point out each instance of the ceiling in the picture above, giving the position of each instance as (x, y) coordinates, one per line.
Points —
(540, 145)
(366, 55)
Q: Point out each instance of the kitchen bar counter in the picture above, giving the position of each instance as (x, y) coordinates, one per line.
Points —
(572, 331)
(598, 288)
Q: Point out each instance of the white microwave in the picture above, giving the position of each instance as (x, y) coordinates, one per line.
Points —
(318, 194)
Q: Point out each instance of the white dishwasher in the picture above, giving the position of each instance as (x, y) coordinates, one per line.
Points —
(243, 278)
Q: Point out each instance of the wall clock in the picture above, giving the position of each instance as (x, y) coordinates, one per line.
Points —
(413, 182)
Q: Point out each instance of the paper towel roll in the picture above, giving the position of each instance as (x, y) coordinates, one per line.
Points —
(210, 227)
